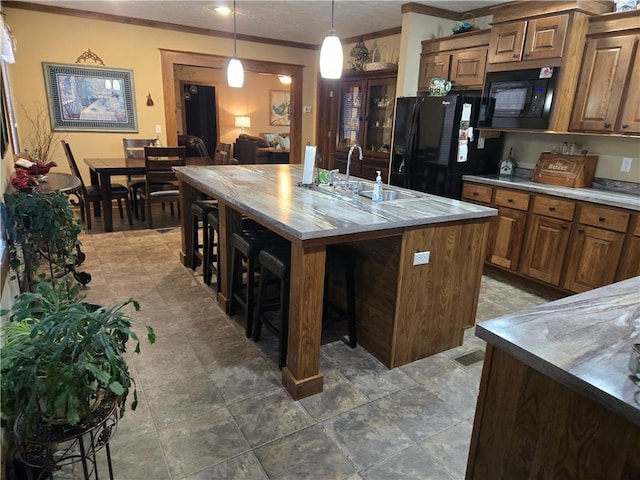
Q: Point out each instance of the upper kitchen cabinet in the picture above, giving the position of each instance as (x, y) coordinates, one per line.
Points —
(366, 102)
(608, 96)
(460, 58)
(536, 39)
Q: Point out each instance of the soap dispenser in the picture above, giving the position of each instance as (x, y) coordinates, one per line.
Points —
(377, 189)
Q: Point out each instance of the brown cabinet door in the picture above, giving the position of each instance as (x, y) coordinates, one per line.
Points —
(506, 239)
(506, 42)
(604, 72)
(545, 248)
(594, 258)
(467, 68)
(630, 261)
(432, 66)
(630, 119)
(545, 37)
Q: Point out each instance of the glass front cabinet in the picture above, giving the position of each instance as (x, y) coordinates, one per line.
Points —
(366, 102)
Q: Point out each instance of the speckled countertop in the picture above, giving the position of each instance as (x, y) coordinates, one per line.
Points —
(583, 342)
(603, 197)
(271, 193)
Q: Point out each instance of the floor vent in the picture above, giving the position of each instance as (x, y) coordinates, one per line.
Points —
(470, 358)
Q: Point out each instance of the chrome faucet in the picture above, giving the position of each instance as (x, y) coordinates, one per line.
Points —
(353, 147)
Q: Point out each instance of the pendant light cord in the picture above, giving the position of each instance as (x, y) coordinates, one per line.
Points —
(332, 5)
(234, 28)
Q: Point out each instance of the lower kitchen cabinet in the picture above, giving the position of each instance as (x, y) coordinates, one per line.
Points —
(569, 244)
(593, 259)
(545, 248)
(506, 238)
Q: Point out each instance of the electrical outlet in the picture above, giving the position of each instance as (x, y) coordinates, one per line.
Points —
(421, 258)
(158, 128)
(626, 165)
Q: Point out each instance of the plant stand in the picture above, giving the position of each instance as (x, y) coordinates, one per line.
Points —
(51, 447)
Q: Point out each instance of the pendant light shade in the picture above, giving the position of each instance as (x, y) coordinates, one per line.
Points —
(331, 56)
(235, 72)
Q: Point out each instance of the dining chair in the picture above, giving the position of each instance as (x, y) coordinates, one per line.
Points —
(134, 148)
(91, 194)
(161, 183)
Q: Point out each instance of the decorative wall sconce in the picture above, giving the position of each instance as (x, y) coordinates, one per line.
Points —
(149, 100)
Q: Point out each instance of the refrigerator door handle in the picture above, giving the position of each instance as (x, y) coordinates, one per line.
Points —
(412, 130)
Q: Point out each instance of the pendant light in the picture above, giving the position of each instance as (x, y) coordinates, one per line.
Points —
(331, 53)
(235, 72)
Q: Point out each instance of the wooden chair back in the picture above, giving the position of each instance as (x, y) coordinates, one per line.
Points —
(73, 166)
(134, 147)
(223, 152)
(159, 161)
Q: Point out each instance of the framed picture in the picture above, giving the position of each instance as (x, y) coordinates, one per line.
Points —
(279, 107)
(90, 98)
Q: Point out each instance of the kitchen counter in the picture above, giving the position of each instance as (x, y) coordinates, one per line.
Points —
(603, 197)
(582, 341)
(556, 397)
(403, 311)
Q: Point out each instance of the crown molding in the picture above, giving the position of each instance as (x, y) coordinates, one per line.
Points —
(441, 12)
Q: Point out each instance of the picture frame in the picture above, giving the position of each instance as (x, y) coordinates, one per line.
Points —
(82, 98)
(280, 107)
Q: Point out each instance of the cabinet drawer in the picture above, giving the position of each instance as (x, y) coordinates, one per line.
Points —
(604, 218)
(512, 199)
(476, 193)
(553, 207)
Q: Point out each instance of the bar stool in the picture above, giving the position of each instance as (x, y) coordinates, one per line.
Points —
(200, 211)
(276, 263)
(246, 247)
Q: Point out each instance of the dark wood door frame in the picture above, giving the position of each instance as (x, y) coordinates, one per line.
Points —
(170, 58)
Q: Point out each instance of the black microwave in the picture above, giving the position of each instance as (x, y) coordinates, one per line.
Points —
(518, 98)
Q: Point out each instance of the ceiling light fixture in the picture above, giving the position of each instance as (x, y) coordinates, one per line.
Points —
(235, 72)
(285, 79)
(331, 53)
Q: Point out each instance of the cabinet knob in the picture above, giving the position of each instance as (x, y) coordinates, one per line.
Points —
(475, 194)
(565, 226)
(515, 55)
(510, 200)
(624, 125)
(601, 219)
(581, 230)
(526, 54)
(551, 209)
(607, 124)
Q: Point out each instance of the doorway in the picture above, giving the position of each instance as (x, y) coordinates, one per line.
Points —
(200, 113)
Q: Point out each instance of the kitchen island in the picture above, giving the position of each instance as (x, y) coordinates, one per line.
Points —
(557, 399)
(404, 311)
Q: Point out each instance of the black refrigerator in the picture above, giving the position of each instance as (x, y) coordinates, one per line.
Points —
(435, 143)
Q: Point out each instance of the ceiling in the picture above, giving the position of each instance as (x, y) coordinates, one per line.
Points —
(299, 21)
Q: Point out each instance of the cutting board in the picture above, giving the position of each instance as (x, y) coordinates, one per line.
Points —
(565, 170)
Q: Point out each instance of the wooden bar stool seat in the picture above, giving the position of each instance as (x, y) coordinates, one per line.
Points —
(200, 211)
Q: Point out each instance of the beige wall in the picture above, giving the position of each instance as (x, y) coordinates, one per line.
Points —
(61, 39)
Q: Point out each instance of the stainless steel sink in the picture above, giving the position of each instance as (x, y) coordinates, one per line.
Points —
(388, 195)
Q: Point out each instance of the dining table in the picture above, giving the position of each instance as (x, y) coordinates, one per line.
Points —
(102, 169)
(419, 259)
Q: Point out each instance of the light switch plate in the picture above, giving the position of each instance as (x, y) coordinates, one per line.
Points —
(158, 128)
(307, 109)
(626, 164)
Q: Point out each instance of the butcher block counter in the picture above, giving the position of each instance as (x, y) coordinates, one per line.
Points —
(557, 399)
(404, 311)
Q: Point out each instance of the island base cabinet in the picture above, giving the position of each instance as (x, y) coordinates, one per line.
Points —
(406, 312)
(530, 426)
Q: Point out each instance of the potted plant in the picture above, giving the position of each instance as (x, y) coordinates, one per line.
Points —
(60, 356)
(40, 224)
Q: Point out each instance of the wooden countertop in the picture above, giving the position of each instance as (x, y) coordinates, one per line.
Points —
(303, 213)
(583, 342)
(603, 197)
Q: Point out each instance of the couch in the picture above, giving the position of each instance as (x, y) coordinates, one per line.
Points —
(250, 149)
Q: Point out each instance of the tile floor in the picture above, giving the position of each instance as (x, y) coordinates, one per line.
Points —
(211, 405)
